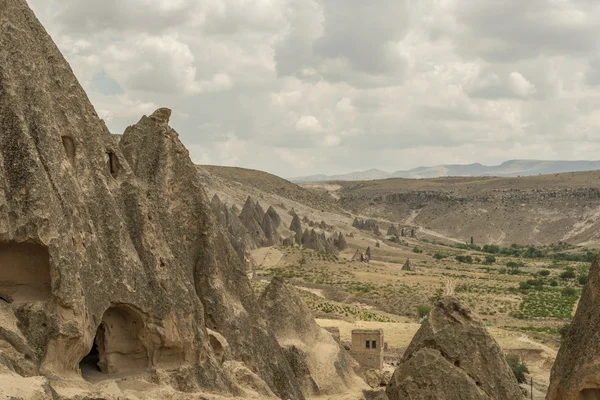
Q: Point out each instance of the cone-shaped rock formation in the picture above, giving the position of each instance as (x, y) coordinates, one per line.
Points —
(409, 266)
(320, 363)
(452, 357)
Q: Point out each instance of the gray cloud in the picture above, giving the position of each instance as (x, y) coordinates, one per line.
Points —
(297, 87)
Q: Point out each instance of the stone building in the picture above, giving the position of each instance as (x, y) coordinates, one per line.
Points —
(367, 347)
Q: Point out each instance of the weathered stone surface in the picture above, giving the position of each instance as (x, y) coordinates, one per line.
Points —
(162, 165)
(576, 371)
(274, 216)
(341, 242)
(321, 363)
(452, 356)
(393, 231)
(120, 233)
(409, 266)
(250, 219)
(296, 227)
(271, 236)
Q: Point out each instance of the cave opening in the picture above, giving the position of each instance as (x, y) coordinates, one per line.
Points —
(590, 394)
(24, 272)
(117, 347)
(114, 166)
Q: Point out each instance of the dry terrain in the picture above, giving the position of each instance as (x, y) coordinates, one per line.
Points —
(521, 291)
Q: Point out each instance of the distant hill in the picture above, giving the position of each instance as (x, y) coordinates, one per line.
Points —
(510, 168)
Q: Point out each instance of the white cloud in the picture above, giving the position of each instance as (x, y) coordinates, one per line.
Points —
(520, 85)
(308, 124)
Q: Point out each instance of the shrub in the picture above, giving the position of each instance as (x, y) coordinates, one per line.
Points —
(582, 279)
(569, 274)
(502, 271)
(439, 255)
(417, 250)
(524, 286)
(423, 311)
(553, 283)
(489, 260)
(569, 292)
(544, 272)
(518, 367)
(464, 259)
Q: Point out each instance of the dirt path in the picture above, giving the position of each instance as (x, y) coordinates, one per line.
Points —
(449, 289)
(266, 256)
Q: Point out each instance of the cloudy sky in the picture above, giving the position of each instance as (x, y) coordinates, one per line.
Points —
(298, 87)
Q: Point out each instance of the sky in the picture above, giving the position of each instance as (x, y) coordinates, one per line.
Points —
(300, 87)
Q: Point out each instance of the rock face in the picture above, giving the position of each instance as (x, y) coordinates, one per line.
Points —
(274, 217)
(576, 372)
(296, 227)
(340, 242)
(452, 356)
(321, 363)
(114, 243)
(409, 266)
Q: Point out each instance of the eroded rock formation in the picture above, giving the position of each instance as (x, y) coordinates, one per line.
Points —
(576, 372)
(129, 254)
(452, 356)
(409, 266)
(320, 363)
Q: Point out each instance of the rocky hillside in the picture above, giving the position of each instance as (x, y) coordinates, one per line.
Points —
(255, 182)
(528, 210)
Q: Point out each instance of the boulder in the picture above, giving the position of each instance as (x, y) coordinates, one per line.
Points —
(452, 357)
(576, 372)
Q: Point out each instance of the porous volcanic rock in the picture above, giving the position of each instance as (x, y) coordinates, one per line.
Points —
(274, 216)
(576, 371)
(253, 221)
(409, 266)
(452, 357)
(113, 242)
(320, 362)
(271, 236)
(296, 227)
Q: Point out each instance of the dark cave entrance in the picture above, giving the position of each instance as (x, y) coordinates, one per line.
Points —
(89, 364)
(589, 394)
(117, 346)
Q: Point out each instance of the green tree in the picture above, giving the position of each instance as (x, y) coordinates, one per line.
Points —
(489, 260)
(423, 311)
(582, 279)
(569, 292)
(518, 367)
(544, 272)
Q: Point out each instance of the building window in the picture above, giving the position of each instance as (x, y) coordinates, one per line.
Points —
(368, 343)
(373, 344)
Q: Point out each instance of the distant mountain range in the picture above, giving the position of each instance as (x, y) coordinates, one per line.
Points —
(508, 168)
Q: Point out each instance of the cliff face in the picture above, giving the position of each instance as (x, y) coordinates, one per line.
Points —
(531, 210)
(110, 246)
(576, 373)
